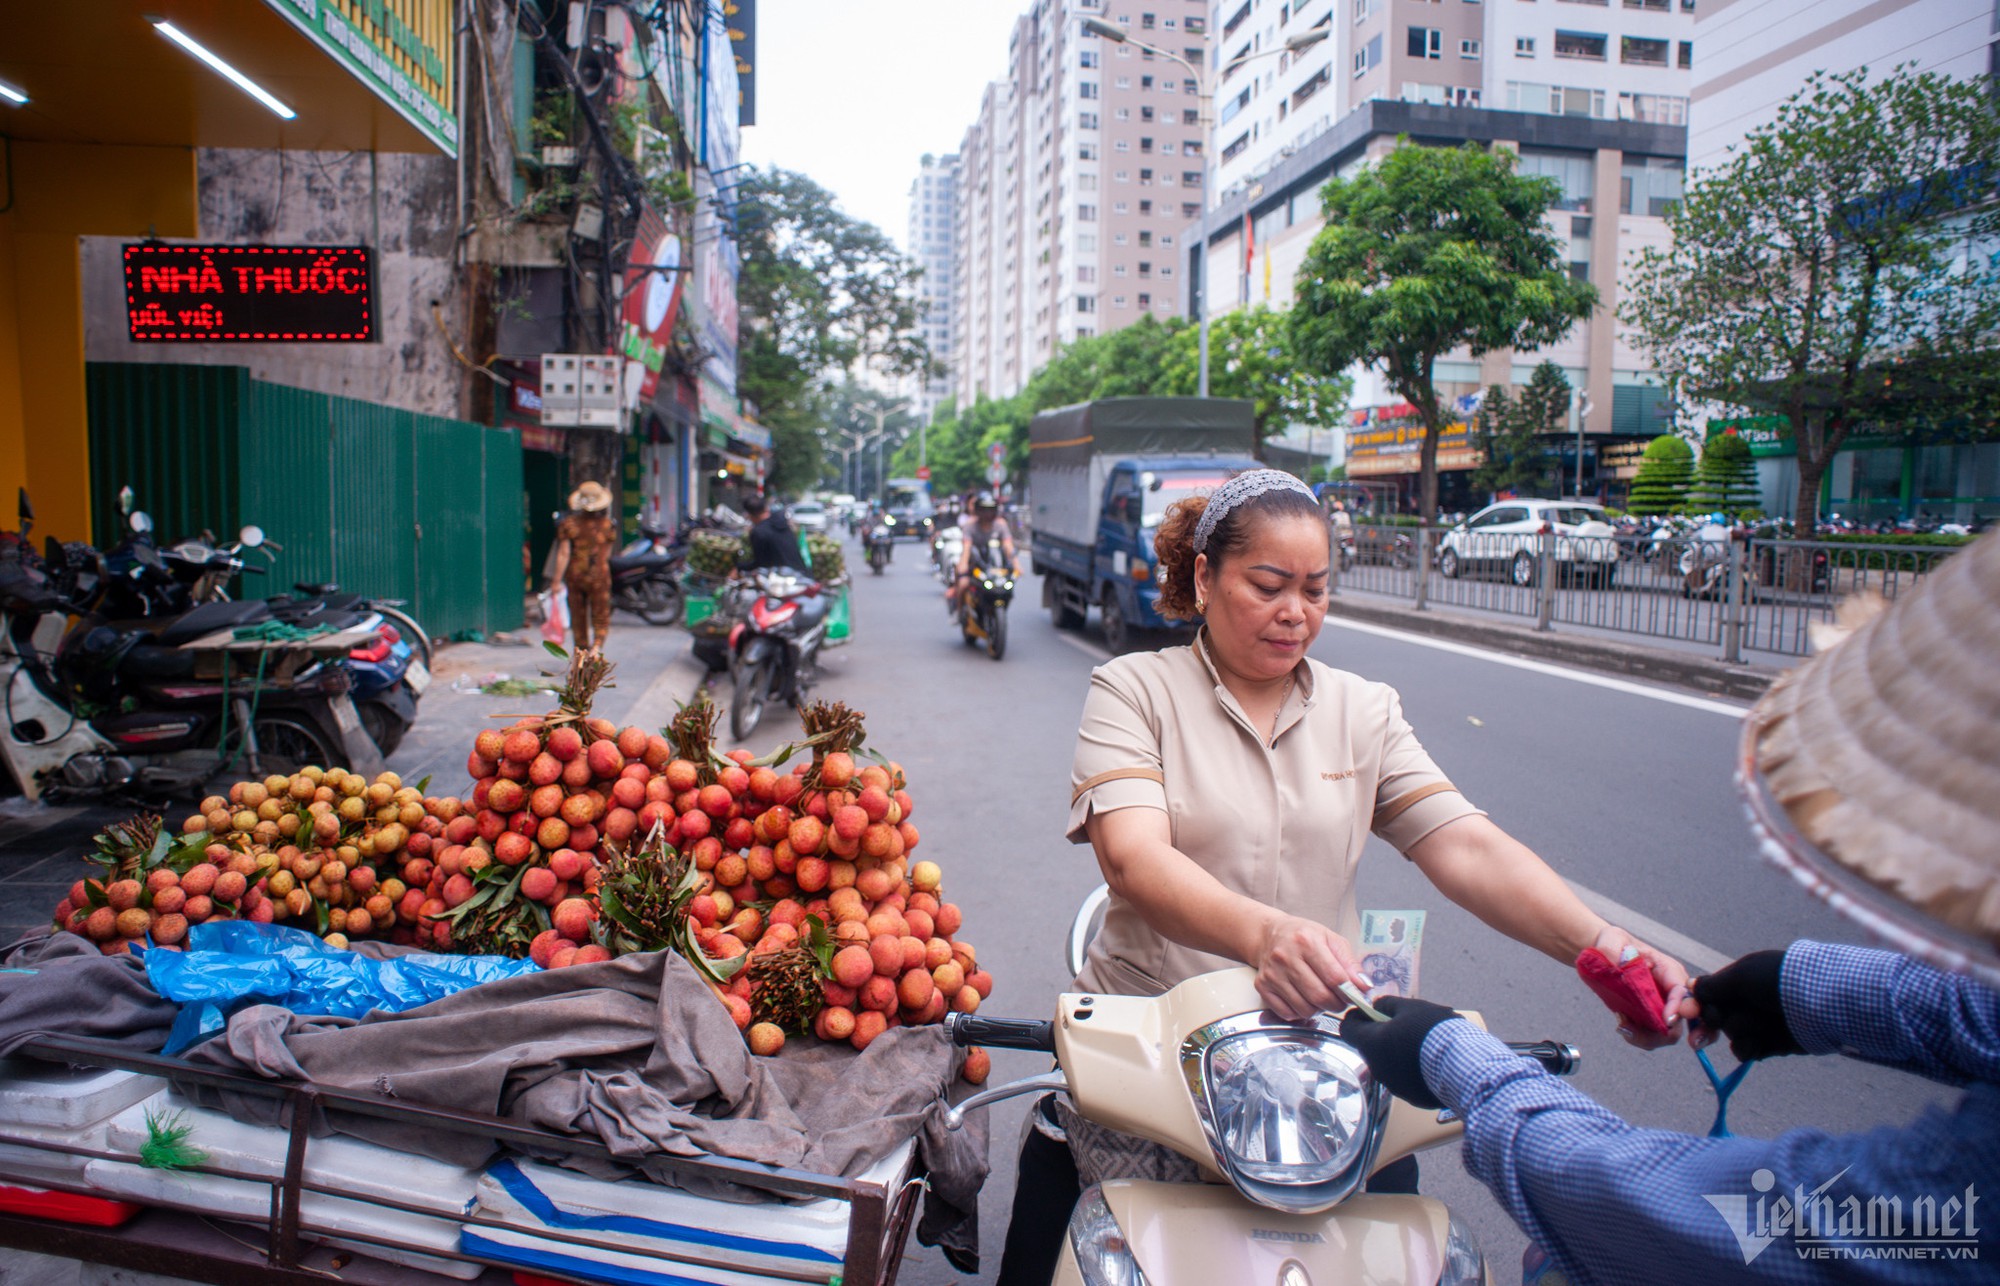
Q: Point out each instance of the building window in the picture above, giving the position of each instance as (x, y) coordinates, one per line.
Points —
(1166, 270)
(1145, 268)
(1086, 151)
(1123, 114)
(1117, 301)
(1426, 42)
(1642, 52)
(1121, 145)
(1319, 80)
(1574, 173)
(1657, 6)
(1145, 144)
(1085, 272)
(1088, 58)
(1581, 44)
(1118, 270)
(1190, 210)
(1190, 115)
(1469, 50)
(1166, 238)
(1145, 238)
(1145, 113)
(1687, 54)
(1145, 22)
(1364, 10)
(1124, 82)
(1524, 46)
(1145, 82)
(1086, 243)
(1122, 176)
(1086, 120)
(1191, 178)
(1195, 25)
(1086, 183)
(1167, 148)
(1119, 207)
(1086, 303)
(1649, 184)
(1145, 301)
(1086, 214)
(1145, 178)
(1655, 109)
(1145, 207)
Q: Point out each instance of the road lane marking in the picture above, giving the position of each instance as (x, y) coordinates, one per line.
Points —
(1698, 958)
(1667, 695)
(1084, 646)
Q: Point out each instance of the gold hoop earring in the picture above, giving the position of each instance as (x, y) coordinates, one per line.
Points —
(1201, 607)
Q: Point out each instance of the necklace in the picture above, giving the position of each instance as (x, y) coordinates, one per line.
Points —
(1280, 711)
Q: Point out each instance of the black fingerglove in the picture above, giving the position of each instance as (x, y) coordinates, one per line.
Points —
(1394, 1049)
(1741, 1001)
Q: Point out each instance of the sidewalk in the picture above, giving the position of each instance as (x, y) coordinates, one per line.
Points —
(1596, 650)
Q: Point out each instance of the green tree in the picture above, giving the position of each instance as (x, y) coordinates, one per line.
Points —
(849, 407)
(1433, 249)
(1726, 479)
(1514, 432)
(1250, 357)
(1665, 469)
(1820, 273)
(820, 294)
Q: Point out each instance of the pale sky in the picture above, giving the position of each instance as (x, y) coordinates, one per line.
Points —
(852, 93)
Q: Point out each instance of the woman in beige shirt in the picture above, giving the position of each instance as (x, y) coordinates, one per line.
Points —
(1228, 787)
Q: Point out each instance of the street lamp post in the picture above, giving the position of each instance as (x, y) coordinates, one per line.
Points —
(1292, 44)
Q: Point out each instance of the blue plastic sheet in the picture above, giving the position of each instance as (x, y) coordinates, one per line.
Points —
(229, 964)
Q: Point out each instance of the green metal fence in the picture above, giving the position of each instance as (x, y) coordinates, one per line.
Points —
(387, 502)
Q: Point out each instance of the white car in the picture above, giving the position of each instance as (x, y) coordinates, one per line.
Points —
(808, 515)
(1507, 537)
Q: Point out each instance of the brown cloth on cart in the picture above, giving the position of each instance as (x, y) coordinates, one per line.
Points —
(60, 984)
(637, 1053)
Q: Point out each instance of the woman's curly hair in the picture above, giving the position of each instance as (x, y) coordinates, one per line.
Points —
(1174, 543)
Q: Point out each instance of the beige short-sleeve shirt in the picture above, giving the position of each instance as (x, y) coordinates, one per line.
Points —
(1284, 823)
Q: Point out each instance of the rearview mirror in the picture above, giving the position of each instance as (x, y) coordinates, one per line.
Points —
(251, 537)
(141, 522)
(26, 510)
(125, 499)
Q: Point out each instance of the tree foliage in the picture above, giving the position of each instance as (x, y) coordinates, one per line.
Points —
(820, 294)
(1251, 357)
(1432, 250)
(1514, 431)
(1726, 479)
(1820, 274)
(958, 440)
(849, 408)
(1665, 469)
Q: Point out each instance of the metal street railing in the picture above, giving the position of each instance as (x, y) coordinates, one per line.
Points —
(1737, 594)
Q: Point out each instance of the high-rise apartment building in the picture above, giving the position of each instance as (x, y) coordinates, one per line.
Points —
(1605, 59)
(933, 203)
(1076, 181)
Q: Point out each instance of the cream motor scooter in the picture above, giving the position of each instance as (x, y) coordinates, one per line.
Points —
(1285, 1120)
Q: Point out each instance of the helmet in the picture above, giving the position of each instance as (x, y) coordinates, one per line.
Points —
(986, 502)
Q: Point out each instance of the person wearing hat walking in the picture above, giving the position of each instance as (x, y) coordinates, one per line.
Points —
(1872, 776)
(585, 540)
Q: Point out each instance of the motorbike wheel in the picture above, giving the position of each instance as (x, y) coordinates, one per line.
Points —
(658, 602)
(1400, 559)
(746, 701)
(384, 727)
(996, 631)
(876, 562)
(413, 633)
(287, 743)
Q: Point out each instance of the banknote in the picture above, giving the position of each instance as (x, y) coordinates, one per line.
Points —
(1391, 945)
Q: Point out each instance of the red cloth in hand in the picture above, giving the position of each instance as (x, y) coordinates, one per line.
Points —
(1628, 990)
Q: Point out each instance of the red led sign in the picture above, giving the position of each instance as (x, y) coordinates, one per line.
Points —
(262, 294)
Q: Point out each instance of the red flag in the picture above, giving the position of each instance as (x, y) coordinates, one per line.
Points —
(1249, 243)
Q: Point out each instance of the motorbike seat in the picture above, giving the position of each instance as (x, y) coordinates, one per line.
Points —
(316, 589)
(813, 609)
(210, 617)
(146, 661)
(643, 559)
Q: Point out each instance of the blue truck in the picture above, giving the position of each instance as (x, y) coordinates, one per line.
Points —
(1101, 475)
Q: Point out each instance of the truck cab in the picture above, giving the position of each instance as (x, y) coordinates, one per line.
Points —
(1103, 474)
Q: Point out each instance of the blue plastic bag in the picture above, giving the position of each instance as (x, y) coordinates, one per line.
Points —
(229, 964)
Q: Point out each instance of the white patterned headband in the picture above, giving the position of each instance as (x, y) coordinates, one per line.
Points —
(1247, 485)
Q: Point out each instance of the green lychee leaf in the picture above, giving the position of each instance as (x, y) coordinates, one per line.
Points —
(555, 650)
(820, 942)
(423, 787)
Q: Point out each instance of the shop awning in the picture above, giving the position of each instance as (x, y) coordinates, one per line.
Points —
(97, 71)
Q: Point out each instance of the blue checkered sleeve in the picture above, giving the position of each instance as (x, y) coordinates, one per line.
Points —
(1614, 1203)
(1887, 1008)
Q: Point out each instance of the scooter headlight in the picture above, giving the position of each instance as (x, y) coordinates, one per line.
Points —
(1102, 1253)
(1292, 1113)
(1463, 1264)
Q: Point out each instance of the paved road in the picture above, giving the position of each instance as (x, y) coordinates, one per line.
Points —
(1626, 795)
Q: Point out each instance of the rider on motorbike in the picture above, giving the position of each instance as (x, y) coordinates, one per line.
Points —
(774, 542)
(981, 528)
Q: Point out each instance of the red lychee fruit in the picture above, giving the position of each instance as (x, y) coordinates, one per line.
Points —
(538, 884)
(627, 793)
(521, 747)
(632, 742)
(878, 994)
(605, 759)
(853, 966)
(574, 916)
(867, 1026)
(544, 769)
(837, 769)
(978, 1066)
(490, 744)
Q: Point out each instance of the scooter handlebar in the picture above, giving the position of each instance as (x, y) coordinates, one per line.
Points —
(1034, 1034)
(1555, 1057)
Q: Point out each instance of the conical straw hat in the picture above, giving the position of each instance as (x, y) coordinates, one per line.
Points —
(1872, 771)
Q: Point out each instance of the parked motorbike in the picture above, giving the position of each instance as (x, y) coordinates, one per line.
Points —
(1285, 1119)
(646, 576)
(126, 711)
(774, 648)
(982, 605)
(881, 546)
(945, 549)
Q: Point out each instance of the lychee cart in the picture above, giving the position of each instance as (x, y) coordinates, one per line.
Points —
(274, 1204)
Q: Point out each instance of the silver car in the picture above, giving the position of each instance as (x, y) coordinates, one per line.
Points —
(1507, 537)
(808, 515)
